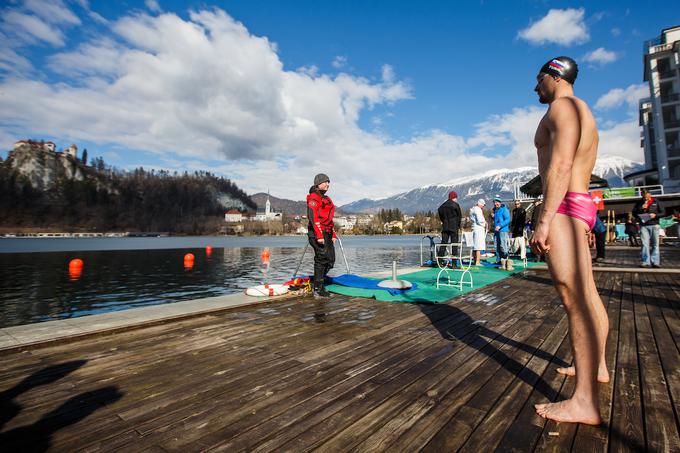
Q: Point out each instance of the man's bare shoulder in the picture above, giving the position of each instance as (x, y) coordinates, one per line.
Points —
(564, 108)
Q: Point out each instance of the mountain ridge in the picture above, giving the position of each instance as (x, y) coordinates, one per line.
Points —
(486, 185)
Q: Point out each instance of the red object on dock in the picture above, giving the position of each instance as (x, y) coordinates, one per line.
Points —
(208, 250)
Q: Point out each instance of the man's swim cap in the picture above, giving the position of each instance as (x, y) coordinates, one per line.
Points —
(563, 67)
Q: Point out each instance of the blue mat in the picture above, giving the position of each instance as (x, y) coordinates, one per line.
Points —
(355, 281)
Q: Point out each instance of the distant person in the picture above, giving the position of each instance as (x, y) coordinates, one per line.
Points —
(599, 236)
(501, 222)
(320, 211)
(449, 214)
(517, 225)
(566, 143)
(631, 231)
(535, 214)
(647, 212)
(478, 229)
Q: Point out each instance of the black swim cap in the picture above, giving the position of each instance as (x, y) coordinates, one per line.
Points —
(563, 67)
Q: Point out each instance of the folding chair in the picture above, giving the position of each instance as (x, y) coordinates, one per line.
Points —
(465, 277)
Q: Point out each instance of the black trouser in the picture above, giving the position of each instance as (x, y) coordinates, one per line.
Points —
(448, 237)
(324, 258)
(599, 244)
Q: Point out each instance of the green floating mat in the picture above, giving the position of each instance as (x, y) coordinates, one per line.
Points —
(427, 285)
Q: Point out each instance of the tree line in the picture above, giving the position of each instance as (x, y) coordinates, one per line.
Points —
(108, 199)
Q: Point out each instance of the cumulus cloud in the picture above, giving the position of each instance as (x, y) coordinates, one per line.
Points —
(621, 139)
(619, 96)
(560, 26)
(600, 56)
(204, 93)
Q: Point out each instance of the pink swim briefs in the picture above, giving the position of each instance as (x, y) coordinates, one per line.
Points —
(579, 206)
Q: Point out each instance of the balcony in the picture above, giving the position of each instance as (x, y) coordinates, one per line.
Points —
(671, 97)
(652, 49)
(667, 74)
(673, 151)
(671, 124)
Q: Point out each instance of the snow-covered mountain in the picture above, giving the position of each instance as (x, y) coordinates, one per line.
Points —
(487, 185)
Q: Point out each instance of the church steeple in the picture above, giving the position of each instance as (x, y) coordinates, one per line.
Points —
(267, 205)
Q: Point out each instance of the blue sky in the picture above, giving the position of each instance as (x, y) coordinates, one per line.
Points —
(382, 96)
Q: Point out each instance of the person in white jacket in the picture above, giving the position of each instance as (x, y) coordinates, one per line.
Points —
(478, 229)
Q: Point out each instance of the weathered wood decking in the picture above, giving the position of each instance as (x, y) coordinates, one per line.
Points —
(356, 374)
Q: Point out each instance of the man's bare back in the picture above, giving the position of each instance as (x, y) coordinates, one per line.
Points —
(586, 151)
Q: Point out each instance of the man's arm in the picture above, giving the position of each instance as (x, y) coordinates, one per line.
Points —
(565, 133)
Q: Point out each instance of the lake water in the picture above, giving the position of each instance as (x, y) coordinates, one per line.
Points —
(121, 273)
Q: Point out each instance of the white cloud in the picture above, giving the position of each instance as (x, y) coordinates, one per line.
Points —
(560, 26)
(619, 96)
(15, 22)
(601, 56)
(52, 11)
(204, 93)
(622, 139)
(153, 6)
(616, 32)
(339, 62)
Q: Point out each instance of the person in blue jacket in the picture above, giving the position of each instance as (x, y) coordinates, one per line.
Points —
(501, 221)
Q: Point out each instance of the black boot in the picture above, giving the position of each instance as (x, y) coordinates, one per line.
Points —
(321, 293)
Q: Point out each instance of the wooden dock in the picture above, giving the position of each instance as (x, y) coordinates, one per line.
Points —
(356, 374)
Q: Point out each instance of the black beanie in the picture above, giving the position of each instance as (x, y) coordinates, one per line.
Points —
(321, 178)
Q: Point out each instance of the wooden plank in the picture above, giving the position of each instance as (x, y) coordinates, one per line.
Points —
(661, 424)
(627, 425)
(419, 399)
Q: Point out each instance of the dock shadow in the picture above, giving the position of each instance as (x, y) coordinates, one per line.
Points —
(470, 332)
(38, 436)
(9, 408)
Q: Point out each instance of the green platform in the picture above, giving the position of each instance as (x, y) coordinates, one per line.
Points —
(426, 281)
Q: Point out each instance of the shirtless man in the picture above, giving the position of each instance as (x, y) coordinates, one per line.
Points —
(566, 140)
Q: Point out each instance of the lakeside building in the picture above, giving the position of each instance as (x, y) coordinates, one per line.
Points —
(268, 213)
(233, 215)
(660, 113)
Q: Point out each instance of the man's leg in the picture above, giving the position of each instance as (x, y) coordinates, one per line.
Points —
(320, 262)
(654, 239)
(644, 238)
(446, 238)
(599, 244)
(497, 244)
(570, 268)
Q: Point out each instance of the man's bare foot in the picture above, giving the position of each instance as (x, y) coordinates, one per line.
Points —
(570, 411)
(602, 373)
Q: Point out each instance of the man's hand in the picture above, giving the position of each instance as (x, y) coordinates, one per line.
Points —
(539, 240)
(320, 240)
(498, 228)
(652, 215)
(334, 240)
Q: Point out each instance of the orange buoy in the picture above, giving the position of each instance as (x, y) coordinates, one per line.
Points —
(265, 256)
(208, 250)
(75, 268)
(189, 257)
(188, 265)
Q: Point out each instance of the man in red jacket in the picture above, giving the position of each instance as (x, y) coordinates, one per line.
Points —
(320, 211)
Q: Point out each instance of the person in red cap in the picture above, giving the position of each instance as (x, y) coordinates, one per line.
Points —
(320, 211)
(449, 214)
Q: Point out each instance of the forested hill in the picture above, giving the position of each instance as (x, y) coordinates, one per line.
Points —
(40, 188)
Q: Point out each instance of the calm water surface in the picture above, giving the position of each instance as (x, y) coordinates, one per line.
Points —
(121, 273)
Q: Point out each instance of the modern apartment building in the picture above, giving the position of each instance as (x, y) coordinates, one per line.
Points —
(660, 113)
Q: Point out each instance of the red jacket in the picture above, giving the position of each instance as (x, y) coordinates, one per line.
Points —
(320, 211)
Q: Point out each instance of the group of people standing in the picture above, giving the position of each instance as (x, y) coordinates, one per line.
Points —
(504, 226)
